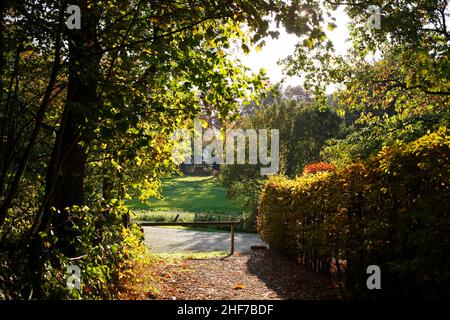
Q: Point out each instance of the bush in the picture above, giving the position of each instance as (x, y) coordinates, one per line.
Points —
(245, 194)
(391, 211)
(105, 252)
(318, 167)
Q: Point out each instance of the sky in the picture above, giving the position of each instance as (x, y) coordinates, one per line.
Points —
(276, 49)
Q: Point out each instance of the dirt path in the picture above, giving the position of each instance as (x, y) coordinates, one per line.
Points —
(252, 275)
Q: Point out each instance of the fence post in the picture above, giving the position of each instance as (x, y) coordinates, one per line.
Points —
(232, 239)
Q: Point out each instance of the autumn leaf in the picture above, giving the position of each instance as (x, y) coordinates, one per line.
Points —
(238, 286)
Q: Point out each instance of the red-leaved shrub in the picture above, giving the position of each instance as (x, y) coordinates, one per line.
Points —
(318, 167)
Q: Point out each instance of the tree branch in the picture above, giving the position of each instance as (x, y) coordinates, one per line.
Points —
(153, 38)
(38, 124)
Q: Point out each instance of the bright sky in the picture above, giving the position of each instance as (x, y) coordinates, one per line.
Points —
(276, 49)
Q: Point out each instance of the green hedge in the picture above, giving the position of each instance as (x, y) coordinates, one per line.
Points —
(392, 211)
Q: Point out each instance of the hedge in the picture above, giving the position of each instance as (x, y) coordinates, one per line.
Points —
(392, 211)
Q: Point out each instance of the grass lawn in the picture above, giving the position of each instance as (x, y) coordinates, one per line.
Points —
(201, 228)
(184, 196)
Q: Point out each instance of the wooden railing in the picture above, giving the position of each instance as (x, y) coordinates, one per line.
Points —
(232, 225)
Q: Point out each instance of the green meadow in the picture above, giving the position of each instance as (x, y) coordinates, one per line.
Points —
(185, 196)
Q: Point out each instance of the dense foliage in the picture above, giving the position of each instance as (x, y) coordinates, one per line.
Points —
(391, 211)
(394, 79)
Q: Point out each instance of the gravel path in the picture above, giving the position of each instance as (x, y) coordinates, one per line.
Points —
(251, 275)
(167, 240)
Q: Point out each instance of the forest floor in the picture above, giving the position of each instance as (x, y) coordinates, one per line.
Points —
(252, 275)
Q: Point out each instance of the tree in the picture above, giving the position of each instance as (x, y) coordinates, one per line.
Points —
(395, 79)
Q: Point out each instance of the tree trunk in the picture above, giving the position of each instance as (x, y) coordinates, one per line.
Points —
(65, 179)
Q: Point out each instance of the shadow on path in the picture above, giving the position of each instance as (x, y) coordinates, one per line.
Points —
(289, 279)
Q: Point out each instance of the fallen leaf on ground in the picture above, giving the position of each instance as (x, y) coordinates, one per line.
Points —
(238, 286)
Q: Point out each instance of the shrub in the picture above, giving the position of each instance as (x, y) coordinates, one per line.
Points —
(245, 194)
(105, 251)
(318, 167)
(391, 211)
